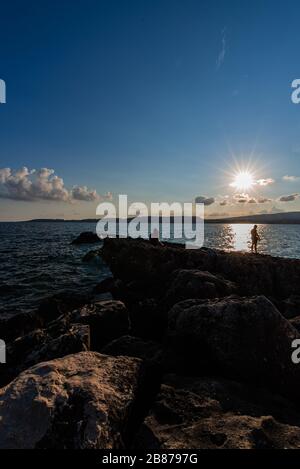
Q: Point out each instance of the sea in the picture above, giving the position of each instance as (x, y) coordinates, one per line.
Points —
(37, 259)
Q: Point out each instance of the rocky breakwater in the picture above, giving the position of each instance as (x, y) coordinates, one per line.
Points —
(222, 321)
(193, 350)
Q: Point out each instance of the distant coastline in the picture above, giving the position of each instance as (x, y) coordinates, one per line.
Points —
(274, 218)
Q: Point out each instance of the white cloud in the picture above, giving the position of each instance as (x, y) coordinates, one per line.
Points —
(243, 198)
(291, 178)
(40, 184)
(264, 182)
(83, 193)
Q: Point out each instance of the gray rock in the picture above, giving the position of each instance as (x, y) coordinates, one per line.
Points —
(134, 347)
(243, 399)
(186, 284)
(183, 418)
(108, 320)
(246, 338)
(58, 340)
(51, 308)
(79, 401)
(148, 351)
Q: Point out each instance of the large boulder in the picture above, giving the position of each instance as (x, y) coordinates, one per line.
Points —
(213, 414)
(246, 338)
(193, 283)
(108, 320)
(80, 401)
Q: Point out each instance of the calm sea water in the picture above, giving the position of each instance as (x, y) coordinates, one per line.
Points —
(37, 259)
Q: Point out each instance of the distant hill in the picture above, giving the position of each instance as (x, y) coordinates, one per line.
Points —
(268, 218)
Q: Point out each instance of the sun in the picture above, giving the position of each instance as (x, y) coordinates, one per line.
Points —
(243, 180)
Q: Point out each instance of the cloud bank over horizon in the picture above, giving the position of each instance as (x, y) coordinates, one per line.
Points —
(237, 199)
(41, 184)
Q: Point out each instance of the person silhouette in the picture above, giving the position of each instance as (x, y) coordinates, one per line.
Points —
(254, 238)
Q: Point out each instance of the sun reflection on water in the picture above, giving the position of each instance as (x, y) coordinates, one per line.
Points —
(229, 237)
(241, 236)
(277, 240)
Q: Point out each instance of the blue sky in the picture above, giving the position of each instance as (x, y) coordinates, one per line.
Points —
(157, 99)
